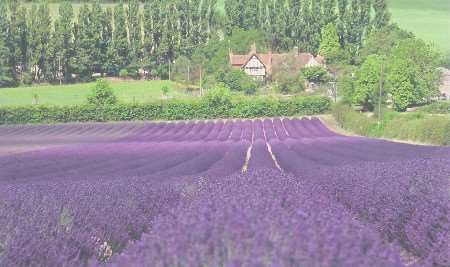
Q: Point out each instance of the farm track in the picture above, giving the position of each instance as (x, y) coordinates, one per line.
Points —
(141, 176)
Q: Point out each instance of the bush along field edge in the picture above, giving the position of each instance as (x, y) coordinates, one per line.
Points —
(416, 127)
(208, 108)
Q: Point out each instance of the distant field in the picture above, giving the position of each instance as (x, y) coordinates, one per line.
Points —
(126, 91)
(428, 19)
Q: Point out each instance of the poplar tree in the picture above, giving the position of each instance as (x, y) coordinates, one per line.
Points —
(13, 40)
(382, 15)
(85, 47)
(211, 16)
(341, 18)
(22, 32)
(234, 14)
(278, 25)
(120, 39)
(305, 27)
(315, 25)
(64, 39)
(166, 51)
(98, 54)
(249, 14)
(107, 40)
(153, 33)
(39, 39)
(328, 12)
(293, 24)
(134, 29)
(6, 77)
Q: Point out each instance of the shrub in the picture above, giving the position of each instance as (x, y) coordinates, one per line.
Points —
(249, 107)
(418, 127)
(102, 94)
(220, 96)
(249, 86)
(437, 108)
(288, 84)
(165, 90)
(123, 73)
(26, 78)
(346, 88)
(237, 80)
(315, 74)
(355, 122)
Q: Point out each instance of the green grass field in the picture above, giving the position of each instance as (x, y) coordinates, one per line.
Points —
(427, 19)
(126, 91)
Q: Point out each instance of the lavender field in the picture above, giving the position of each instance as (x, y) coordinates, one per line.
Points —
(273, 192)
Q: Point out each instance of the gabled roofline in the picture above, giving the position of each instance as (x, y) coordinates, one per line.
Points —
(252, 54)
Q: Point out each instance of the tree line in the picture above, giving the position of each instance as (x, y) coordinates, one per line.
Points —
(36, 47)
(300, 22)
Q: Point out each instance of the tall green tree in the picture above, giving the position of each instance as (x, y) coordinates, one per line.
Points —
(97, 20)
(167, 49)
(84, 34)
(234, 10)
(134, 24)
(293, 23)
(278, 25)
(107, 48)
(13, 39)
(382, 15)
(329, 44)
(6, 77)
(382, 41)
(367, 89)
(413, 76)
(120, 38)
(39, 39)
(329, 12)
(64, 40)
(22, 33)
(356, 22)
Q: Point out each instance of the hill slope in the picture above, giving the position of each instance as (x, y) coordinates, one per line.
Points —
(429, 20)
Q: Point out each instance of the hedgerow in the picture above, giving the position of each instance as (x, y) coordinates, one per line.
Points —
(418, 127)
(437, 108)
(168, 110)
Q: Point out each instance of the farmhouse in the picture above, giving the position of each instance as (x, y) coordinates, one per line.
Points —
(262, 66)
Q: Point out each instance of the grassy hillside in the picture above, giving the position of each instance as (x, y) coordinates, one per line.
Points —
(127, 91)
(428, 19)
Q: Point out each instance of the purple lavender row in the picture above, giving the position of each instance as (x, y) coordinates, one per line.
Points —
(260, 218)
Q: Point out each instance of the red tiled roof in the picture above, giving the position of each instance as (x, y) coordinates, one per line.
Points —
(275, 61)
(238, 59)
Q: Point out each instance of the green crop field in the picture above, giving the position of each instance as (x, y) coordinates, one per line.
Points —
(73, 94)
(428, 19)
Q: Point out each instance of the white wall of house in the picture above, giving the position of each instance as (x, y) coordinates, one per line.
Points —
(312, 63)
(255, 67)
